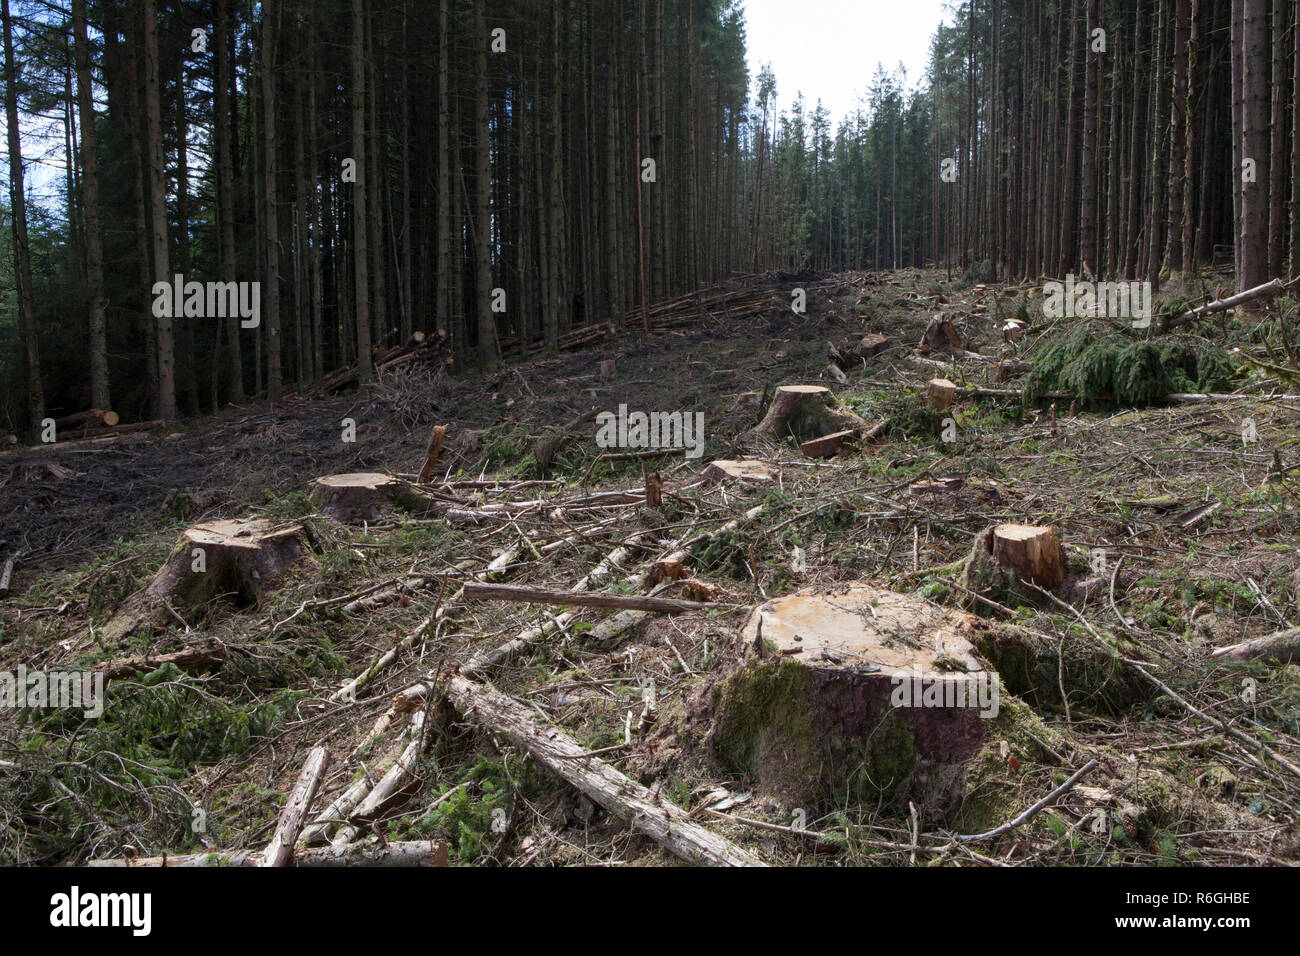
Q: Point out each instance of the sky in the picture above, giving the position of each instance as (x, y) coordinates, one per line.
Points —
(830, 48)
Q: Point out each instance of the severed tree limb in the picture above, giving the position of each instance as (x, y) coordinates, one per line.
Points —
(1032, 811)
(188, 659)
(1280, 647)
(405, 853)
(1274, 287)
(664, 822)
(279, 852)
(398, 775)
(528, 595)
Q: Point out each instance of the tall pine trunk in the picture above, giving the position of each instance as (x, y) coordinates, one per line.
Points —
(158, 209)
(99, 385)
(22, 253)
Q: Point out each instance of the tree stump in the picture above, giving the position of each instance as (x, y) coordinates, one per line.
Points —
(747, 471)
(871, 344)
(806, 412)
(939, 394)
(1033, 554)
(363, 496)
(860, 692)
(238, 559)
(940, 336)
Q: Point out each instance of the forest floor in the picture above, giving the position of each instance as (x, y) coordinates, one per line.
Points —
(1197, 525)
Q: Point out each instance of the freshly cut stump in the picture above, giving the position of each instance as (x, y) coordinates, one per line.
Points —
(1032, 553)
(363, 496)
(239, 559)
(939, 393)
(807, 412)
(861, 692)
(747, 471)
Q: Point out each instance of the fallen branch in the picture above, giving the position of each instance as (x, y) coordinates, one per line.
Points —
(662, 821)
(1271, 288)
(1280, 647)
(406, 853)
(279, 852)
(527, 595)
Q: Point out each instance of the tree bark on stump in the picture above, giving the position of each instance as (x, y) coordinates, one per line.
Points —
(1033, 554)
(240, 558)
(939, 394)
(807, 412)
(939, 336)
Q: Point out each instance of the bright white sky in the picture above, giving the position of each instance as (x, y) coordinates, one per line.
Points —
(830, 48)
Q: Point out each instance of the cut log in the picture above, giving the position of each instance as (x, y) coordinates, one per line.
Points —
(91, 417)
(651, 814)
(474, 591)
(859, 693)
(939, 393)
(406, 853)
(828, 445)
(364, 496)
(1033, 554)
(939, 336)
(746, 471)
(806, 412)
(1280, 647)
(103, 431)
(836, 374)
(279, 852)
(239, 558)
(1007, 370)
(431, 454)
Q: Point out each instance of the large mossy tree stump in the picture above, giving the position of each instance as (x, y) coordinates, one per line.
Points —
(807, 412)
(861, 693)
(238, 559)
(364, 496)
